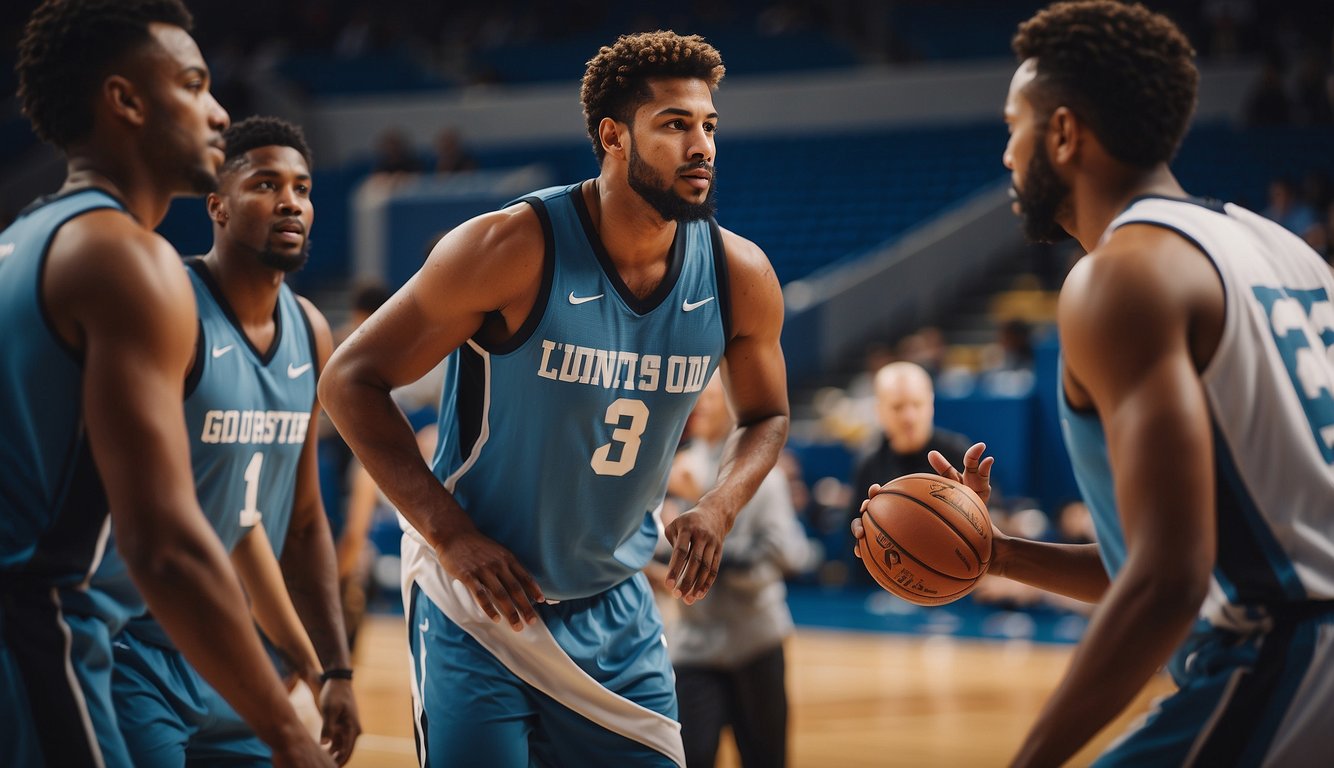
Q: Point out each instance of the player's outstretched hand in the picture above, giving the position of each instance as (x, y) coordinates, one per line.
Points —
(498, 582)
(976, 470)
(697, 549)
(342, 724)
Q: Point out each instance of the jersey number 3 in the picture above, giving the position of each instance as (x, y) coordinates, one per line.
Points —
(625, 436)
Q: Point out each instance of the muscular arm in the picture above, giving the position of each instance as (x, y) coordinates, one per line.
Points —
(310, 570)
(1126, 320)
(490, 264)
(270, 604)
(131, 311)
(756, 382)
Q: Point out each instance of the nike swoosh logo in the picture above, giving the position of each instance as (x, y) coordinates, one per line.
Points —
(220, 351)
(691, 306)
(296, 370)
(584, 299)
(425, 626)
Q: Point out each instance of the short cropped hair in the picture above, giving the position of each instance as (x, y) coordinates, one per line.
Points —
(66, 51)
(254, 132)
(1125, 70)
(615, 83)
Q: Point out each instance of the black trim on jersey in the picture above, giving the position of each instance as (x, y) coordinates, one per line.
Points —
(34, 636)
(197, 264)
(720, 275)
(1238, 553)
(310, 333)
(676, 260)
(420, 731)
(66, 550)
(1210, 203)
(539, 309)
(196, 372)
(470, 399)
(74, 354)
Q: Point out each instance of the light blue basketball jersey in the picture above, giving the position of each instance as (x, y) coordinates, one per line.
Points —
(54, 510)
(247, 413)
(558, 442)
(55, 650)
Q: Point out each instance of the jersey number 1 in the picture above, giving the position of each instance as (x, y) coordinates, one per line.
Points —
(250, 515)
(627, 437)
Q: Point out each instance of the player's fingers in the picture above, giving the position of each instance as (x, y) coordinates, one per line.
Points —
(858, 529)
(973, 456)
(518, 596)
(984, 468)
(873, 490)
(710, 555)
(677, 563)
(685, 584)
(942, 465)
(506, 602)
(482, 594)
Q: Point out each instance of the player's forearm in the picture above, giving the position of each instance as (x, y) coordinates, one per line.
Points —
(270, 603)
(1073, 570)
(1133, 633)
(379, 434)
(751, 452)
(308, 567)
(193, 592)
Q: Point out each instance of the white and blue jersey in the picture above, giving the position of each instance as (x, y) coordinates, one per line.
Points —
(1257, 686)
(55, 651)
(558, 443)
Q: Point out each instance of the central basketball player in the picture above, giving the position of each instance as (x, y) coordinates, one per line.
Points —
(580, 324)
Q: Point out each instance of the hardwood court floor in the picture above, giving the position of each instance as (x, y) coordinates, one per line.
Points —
(857, 699)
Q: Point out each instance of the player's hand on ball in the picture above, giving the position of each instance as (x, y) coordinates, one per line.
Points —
(858, 532)
(502, 587)
(976, 470)
(697, 549)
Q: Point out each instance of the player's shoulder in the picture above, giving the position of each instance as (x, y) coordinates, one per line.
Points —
(109, 250)
(743, 254)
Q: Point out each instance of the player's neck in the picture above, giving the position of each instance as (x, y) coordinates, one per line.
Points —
(634, 234)
(146, 201)
(251, 289)
(1098, 199)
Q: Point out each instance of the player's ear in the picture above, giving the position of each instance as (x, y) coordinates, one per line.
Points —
(1064, 134)
(217, 209)
(613, 136)
(124, 100)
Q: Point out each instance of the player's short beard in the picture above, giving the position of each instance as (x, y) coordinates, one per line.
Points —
(286, 262)
(658, 193)
(1043, 199)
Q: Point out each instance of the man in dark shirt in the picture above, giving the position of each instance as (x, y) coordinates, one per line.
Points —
(905, 404)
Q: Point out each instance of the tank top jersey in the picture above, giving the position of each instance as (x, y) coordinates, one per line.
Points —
(1270, 390)
(558, 442)
(54, 517)
(247, 413)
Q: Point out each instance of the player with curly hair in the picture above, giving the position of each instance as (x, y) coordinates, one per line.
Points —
(579, 325)
(100, 323)
(1197, 398)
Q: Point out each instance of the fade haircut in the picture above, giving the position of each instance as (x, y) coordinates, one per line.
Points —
(616, 82)
(67, 50)
(254, 132)
(1125, 70)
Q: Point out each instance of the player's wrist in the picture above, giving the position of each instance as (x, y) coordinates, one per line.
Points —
(336, 674)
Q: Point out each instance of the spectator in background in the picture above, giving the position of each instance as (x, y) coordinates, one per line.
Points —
(906, 410)
(1008, 363)
(394, 155)
(450, 154)
(727, 649)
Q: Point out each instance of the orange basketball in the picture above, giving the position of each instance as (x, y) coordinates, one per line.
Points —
(928, 539)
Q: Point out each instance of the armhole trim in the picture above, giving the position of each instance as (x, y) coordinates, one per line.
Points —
(196, 373)
(720, 274)
(539, 309)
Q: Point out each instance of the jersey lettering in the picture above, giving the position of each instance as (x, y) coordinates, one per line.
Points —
(1302, 322)
(254, 427)
(616, 369)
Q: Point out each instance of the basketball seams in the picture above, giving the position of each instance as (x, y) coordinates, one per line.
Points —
(981, 563)
(967, 583)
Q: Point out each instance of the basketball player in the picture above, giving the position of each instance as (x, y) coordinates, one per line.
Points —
(250, 396)
(1197, 397)
(580, 324)
(99, 328)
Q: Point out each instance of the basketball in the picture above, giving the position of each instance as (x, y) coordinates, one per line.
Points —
(928, 539)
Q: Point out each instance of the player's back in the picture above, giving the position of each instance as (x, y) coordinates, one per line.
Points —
(1270, 387)
(54, 510)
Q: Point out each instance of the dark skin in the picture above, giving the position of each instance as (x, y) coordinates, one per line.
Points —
(116, 293)
(264, 203)
(448, 302)
(1139, 318)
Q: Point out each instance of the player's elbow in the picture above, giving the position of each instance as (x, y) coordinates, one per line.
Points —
(159, 554)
